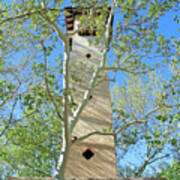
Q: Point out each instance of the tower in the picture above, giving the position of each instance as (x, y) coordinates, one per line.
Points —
(93, 157)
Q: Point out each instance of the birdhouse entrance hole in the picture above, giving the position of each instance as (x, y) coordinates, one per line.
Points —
(88, 154)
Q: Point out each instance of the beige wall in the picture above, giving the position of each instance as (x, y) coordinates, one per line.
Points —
(96, 116)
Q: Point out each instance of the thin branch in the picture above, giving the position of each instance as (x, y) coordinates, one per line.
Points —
(126, 70)
(11, 95)
(36, 170)
(28, 115)
(105, 79)
(170, 106)
(81, 138)
(10, 119)
(126, 59)
(18, 17)
(46, 81)
(152, 111)
(55, 26)
(71, 101)
(65, 145)
(42, 13)
(147, 162)
(65, 40)
(143, 120)
(27, 14)
(141, 169)
(108, 133)
(129, 124)
(158, 158)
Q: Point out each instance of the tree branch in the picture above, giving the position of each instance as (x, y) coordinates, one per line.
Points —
(158, 158)
(81, 138)
(147, 161)
(46, 81)
(119, 130)
(129, 124)
(10, 119)
(65, 40)
(108, 133)
(11, 95)
(55, 27)
(66, 143)
(126, 70)
(36, 170)
(18, 17)
(152, 111)
(26, 14)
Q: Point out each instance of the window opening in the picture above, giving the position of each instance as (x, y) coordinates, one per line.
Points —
(70, 43)
(88, 55)
(90, 97)
(88, 154)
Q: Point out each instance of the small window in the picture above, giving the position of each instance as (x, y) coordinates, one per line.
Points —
(70, 43)
(88, 154)
(88, 55)
(90, 97)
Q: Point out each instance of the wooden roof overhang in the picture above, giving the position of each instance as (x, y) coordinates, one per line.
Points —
(72, 12)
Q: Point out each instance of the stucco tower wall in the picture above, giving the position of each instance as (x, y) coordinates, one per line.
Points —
(96, 116)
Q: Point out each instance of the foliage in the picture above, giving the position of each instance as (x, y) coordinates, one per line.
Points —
(171, 172)
(145, 97)
(34, 103)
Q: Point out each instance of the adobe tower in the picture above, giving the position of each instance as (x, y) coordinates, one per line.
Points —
(95, 156)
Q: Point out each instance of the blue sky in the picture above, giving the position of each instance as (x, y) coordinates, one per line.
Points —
(168, 28)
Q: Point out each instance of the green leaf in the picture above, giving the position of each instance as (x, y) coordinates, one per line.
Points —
(173, 141)
(157, 134)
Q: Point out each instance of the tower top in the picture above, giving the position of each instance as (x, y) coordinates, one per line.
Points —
(74, 13)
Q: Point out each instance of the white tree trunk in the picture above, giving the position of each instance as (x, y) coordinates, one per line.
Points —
(62, 161)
